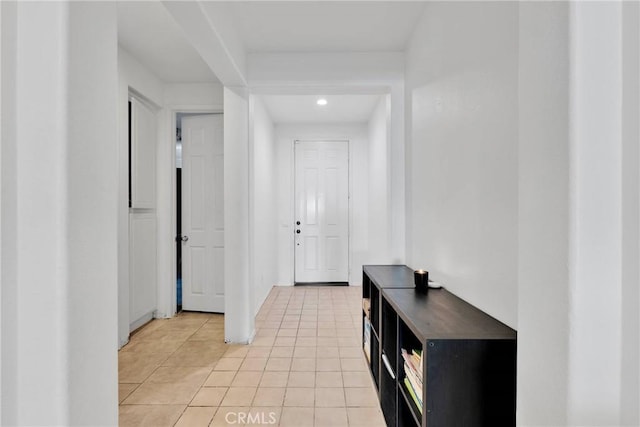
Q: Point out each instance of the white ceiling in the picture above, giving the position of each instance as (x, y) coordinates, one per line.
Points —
(325, 26)
(304, 109)
(146, 30)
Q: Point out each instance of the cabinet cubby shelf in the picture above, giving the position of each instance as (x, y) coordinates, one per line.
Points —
(468, 358)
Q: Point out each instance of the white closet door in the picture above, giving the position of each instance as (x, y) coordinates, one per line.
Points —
(143, 156)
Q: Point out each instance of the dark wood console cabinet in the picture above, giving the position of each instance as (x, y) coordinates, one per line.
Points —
(463, 362)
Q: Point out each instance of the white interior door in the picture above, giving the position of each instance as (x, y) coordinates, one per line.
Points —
(321, 211)
(203, 213)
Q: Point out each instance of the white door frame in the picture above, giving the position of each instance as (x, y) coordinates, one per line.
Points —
(167, 269)
(293, 199)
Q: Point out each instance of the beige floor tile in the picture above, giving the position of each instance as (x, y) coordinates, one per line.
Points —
(331, 417)
(230, 416)
(307, 332)
(263, 341)
(136, 367)
(269, 396)
(322, 342)
(196, 353)
(267, 332)
(172, 374)
(151, 346)
(271, 325)
(220, 378)
(351, 352)
(297, 417)
(149, 415)
(306, 364)
(287, 332)
(325, 332)
(353, 364)
(274, 379)
(208, 335)
(349, 341)
(298, 396)
(285, 342)
(302, 379)
(196, 417)
(302, 329)
(259, 352)
(239, 351)
(228, 364)
(239, 396)
(247, 379)
(305, 342)
(124, 390)
(209, 396)
(356, 379)
(282, 352)
(164, 334)
(278, 364)
(365, 417)
(162, 394)
(328, 365)
(330, 397)
(304, 352)
(364, 397)
(329, 379)
(254, 364)
(328, 352)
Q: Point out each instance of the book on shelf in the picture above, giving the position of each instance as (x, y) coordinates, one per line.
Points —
(413, 394)
(413, 375)
(367, 339)
(366, 306)
(414, 360)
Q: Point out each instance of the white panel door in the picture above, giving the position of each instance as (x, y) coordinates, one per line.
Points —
(142, 270)
(203, 213)
(143, 156)
(321, 211)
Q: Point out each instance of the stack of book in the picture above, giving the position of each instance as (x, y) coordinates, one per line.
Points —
(413, 375)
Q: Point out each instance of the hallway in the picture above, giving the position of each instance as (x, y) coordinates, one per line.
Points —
(305, 367)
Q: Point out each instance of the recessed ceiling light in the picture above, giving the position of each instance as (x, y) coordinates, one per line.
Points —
(321, 101)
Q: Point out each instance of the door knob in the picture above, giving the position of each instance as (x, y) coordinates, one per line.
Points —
(297, 222)
(185, 238)
(298, 231)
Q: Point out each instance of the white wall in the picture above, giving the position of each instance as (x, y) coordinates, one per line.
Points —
(462, 90)
(596, 203)
(543, 214)
(630, 387)
(379, 210)
(239, 322)
(65, 199)
(264, 212)
(8, 215)
(357, 135)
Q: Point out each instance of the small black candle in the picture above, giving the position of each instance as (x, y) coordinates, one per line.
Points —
(421, 280)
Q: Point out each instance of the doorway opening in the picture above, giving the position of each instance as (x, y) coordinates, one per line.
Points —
(199, 212)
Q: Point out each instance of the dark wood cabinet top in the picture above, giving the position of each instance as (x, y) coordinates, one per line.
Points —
(390, 276)
(439, 314)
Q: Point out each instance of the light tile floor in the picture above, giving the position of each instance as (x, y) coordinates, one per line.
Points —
(304, 368)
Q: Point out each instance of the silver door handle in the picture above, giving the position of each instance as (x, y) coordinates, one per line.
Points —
(185, 238)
